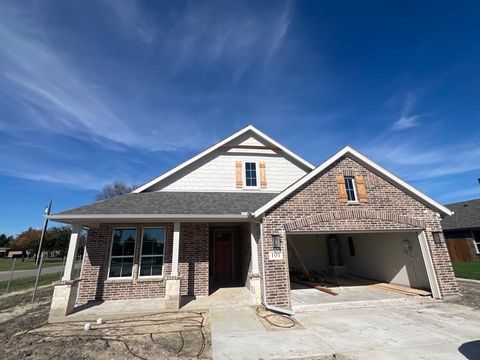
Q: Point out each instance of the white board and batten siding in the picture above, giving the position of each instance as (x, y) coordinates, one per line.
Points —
(216, 171)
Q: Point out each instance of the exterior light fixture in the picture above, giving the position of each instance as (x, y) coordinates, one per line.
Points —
(276, 242)
(439, 238)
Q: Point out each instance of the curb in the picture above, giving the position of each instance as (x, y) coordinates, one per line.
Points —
(468, 280)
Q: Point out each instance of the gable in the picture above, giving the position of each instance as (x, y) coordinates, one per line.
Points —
(358, 165)
(217, 169)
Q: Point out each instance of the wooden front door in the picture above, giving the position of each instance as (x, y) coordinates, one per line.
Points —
(223, 255)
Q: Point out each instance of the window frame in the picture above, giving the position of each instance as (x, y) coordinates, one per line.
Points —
(354, 185)
(163, 255)
(476, 243)
(257, 172)
(120, 278)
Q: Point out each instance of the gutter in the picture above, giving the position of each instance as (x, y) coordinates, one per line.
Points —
(265, 303)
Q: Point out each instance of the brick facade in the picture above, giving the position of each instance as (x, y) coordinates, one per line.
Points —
(193, 264)
(316, 207)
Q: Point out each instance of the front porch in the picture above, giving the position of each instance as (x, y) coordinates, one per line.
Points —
(223, 298)
(204, 265)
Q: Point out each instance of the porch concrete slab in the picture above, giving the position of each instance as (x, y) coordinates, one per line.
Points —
(434, 330)
(221, 298)
(115, 309)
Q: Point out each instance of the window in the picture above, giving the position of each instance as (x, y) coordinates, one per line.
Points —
(476, 241)
(350, 188)
(251, 174)
(153, 248)
(123, 250)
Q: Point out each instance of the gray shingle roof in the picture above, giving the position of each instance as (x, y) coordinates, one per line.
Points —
(206, 203)
(466, 215)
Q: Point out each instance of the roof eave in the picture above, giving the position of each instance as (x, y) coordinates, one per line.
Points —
(95, 218)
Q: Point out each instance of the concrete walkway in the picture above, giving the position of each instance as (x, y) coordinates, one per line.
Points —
(19, 274)
(434, 330)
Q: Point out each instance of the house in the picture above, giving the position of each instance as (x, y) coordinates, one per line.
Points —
(462, 230)
(231, 214)
(4, 252)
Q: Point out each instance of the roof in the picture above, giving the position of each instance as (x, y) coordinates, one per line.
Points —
(466, 215)
(218, 145)
(170, 205)
(348, 151)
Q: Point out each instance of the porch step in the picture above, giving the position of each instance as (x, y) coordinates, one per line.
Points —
(414, 300)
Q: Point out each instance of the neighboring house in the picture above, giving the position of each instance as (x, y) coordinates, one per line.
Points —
(4, 252)
(462, 230)
(228, 216)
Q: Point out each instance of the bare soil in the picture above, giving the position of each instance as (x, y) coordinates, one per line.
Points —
(27, 335)
(470, 294)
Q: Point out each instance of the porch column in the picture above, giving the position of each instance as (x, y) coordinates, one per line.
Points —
(65, 290)
(176, 247)
(255, 286)
(172, 283)
(72, 252)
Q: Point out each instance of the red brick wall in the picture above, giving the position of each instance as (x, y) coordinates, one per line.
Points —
(316, 206)
(193, 264)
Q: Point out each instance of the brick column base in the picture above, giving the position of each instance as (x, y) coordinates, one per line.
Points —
(63, 299)
(172, 293)
(255, 290)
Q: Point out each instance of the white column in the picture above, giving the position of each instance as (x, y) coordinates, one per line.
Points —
(72, 251)
(176, 248)
(432, 276)
(254, 247)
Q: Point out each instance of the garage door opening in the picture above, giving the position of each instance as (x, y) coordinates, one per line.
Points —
(330, 268)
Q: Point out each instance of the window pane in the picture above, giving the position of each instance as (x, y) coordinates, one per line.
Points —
(350, 187)
(250, 174)
(153, 241)
(151, 265)
(121, 267)
(124, 242)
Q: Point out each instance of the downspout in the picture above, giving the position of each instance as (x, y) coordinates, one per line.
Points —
(265, 303)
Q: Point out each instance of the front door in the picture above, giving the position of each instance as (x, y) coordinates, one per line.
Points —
(223, 255)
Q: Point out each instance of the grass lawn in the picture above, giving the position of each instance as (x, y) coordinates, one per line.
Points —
(28, 264)
(467, 269)
(26, 283)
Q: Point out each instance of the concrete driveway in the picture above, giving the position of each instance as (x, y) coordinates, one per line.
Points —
(434, 330)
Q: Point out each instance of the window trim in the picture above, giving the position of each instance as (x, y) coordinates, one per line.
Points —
(355, 193)
(120, 278)
(140, 254)
(257, 173)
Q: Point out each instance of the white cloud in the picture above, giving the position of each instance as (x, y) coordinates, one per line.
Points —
(407, 120)
(133, 19)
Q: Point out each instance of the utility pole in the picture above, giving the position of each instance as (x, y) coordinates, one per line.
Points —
(45, 224)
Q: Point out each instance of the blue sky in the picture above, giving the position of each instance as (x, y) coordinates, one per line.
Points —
(97, 91)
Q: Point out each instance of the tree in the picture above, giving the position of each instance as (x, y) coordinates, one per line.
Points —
(5, 240)
(114, 189)
(27, 240)
(57, 238)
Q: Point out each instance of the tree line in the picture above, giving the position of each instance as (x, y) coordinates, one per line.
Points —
(56, 239)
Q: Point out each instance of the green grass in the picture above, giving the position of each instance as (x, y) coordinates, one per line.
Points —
(28, 264)
(27, 283)
(467, 269)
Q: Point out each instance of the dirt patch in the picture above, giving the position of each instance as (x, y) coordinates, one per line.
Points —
(164, 335)
(470, 294)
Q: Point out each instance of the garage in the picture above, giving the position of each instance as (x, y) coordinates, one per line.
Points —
(356, 267)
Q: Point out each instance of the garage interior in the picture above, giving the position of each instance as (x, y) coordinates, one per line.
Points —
(350, 267)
